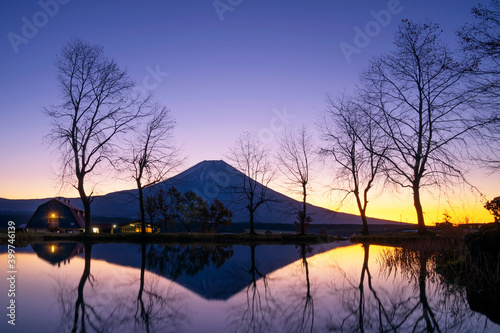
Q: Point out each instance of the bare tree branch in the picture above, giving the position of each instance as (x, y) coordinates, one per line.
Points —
(251, 158)
(96, 108)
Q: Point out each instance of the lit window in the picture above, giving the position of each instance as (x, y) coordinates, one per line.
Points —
(95, 230)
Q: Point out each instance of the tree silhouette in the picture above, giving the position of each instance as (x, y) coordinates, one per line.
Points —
(480, 40)
(425, 110)
(251, 158)
(295, 158)
(494, 207)
(356, 144)
(96, 107)
(151, 155)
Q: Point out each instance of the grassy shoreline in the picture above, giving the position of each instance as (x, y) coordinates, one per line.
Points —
(177, 238)
(397, 238)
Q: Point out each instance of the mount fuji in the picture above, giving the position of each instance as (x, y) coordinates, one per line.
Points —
(210, 180)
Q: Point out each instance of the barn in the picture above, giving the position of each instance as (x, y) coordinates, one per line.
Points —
(57, 215)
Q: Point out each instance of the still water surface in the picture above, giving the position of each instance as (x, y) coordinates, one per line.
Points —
(340, 287)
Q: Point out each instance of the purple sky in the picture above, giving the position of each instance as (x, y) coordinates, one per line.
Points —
(228, 71)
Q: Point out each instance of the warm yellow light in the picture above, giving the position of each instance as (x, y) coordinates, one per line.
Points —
(95, 230)
(53, 215)
(53, 248)
(114, 225)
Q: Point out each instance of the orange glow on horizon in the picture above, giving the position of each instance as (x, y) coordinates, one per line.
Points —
(389, 206)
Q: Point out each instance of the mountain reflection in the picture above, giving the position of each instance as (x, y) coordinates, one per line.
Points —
(174, 260)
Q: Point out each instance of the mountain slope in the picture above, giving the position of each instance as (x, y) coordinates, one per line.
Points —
(210, 180)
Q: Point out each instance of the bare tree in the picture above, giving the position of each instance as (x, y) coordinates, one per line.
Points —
(424, 110)
(96, 107)
(295, 156)
(481, 40)
(251, 158)
(152, 154)
(354, 142)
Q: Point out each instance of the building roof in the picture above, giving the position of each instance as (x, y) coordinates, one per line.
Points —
(77, 213)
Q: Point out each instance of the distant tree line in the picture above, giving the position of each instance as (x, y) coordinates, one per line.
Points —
(170, 208)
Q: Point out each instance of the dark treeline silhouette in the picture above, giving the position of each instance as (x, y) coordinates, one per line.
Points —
(171, 207)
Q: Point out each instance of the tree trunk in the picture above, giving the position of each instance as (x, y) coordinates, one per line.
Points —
(362, 212)
(86, 207)
(141, 205)
(418, 207)
(304, 215)
(252, 230)
(365, 222)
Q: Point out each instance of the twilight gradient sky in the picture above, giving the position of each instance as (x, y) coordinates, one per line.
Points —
(228, 72)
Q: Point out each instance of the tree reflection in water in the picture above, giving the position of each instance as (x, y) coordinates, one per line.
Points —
(80, 303)
(376, 310)
(438, 306)
(110, 303)
(299, 314)
(259, 311)
(424, 304)
(414, 266)
(157, 309)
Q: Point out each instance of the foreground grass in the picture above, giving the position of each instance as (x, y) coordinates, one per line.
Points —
(23, 239)
(395, 238)
(430, 242)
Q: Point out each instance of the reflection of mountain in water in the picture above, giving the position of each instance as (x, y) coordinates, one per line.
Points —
(211, 273)
(56, 252)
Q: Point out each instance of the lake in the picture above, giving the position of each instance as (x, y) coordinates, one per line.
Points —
(336, 287)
